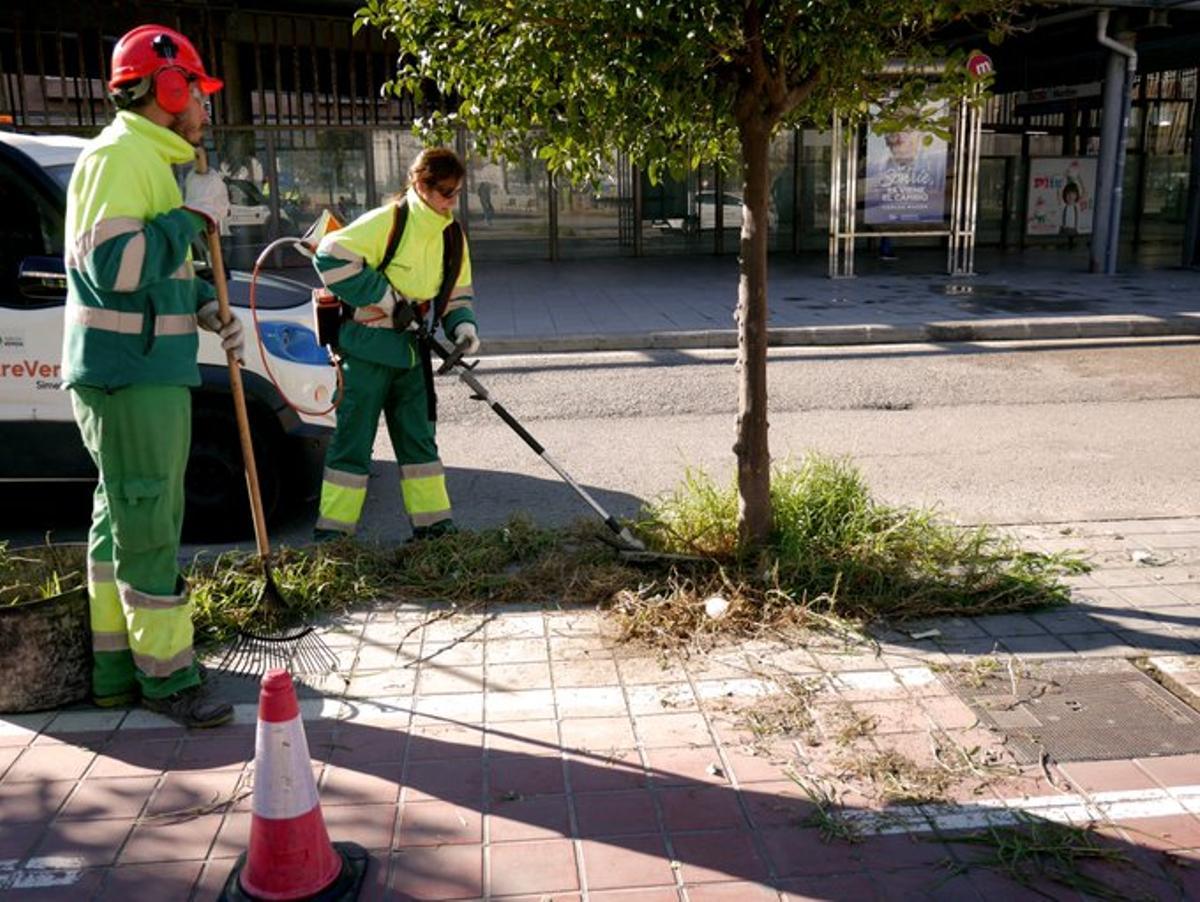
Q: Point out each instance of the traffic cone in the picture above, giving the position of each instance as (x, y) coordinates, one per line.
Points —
(290, 855)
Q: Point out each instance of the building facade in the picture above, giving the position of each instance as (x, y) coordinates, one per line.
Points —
(302, 126)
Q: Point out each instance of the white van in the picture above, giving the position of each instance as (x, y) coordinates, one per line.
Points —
(38, 437)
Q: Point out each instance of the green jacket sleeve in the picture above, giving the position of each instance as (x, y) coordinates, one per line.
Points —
(121, 251)
(346, 259)
(461, 306)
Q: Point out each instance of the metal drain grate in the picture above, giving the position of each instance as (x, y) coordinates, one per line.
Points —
(1078, 710)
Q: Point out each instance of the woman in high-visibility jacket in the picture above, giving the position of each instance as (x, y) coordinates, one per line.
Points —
(381, 366)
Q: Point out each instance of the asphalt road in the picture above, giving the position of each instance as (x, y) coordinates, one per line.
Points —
(1002, 433)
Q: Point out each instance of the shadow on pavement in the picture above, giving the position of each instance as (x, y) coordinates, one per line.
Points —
(636, 825)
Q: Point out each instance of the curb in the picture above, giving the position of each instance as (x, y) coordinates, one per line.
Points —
(946, 332)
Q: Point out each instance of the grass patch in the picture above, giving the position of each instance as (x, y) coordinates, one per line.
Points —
(1034, 850)
(516, 562)
(834, 551)
(37, 573)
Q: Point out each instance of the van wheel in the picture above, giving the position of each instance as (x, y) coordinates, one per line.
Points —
(216, 504)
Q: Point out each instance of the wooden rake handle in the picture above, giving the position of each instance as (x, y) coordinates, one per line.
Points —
(235, 383)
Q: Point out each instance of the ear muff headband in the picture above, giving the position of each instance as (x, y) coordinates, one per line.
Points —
(172, 90)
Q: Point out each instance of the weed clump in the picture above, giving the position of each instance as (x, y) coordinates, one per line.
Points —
(37, 573)
(835, 549)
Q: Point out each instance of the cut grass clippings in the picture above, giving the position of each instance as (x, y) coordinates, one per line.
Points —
(836, 555)
(40, 572)
(834, 551)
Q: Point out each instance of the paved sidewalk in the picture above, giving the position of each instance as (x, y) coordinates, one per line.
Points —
(687, 302)
(519, 753)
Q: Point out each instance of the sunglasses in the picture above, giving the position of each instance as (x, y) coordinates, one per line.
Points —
(448, 193)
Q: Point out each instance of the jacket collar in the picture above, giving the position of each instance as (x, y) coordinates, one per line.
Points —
(173, 148)
(424, 214)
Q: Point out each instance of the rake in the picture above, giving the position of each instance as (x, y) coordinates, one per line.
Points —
(299, 649)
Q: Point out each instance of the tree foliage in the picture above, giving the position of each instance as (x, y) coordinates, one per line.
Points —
(674, 84)
(667, 82)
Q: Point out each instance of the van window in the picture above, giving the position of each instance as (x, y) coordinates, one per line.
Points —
(31, 226)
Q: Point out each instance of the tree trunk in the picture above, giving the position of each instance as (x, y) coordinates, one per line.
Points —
(751, 448)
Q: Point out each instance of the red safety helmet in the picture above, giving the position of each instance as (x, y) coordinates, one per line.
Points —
(149, 49)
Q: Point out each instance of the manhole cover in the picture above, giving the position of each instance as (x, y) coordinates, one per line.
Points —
(1078, 710)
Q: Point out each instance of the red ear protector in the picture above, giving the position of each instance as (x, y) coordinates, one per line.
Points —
(172, 90)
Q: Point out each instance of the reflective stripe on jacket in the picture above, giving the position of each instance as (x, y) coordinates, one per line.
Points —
(132, 293)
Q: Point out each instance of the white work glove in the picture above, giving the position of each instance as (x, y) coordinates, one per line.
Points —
(233, 337)
(468, 334)
(205, 193)
(379, 314)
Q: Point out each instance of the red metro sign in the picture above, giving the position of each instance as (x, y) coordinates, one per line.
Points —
(980, 64)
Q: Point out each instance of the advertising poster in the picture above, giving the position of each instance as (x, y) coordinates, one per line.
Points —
(906, 177)
(1060, 196)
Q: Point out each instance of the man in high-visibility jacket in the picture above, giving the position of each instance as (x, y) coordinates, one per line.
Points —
(381, 367)
(129, 360)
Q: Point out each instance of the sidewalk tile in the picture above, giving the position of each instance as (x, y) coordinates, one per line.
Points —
(544, 817)
(1176, 831)
(443, 680)
(701, 808)
(24, 803)
(1174, 770)
(627, 862)
(608, 770)
(448, 781)
(776, 804)
(637, 671)
(172, 880)
(511, 677)
(719, 855)
(523, 737)
(1030, 647)
(32, 886)
(355, 745)
(545, 866)
(521, 704)
(118, 797)
(234, 836)
(526, 776)
(597, 734)
(672, 730)
(168, 840)
(641, 894)
(932, 884)
(594, 701)
(438, 741)
(731, 892)
(584, 673)
(54, 762)
(373, 784)
(948, 713)
(824, 888)
(185, 790)
(515, 651)
(769, 766)
(95, 842)
(801, 853)
(371, 826)
(217, 753)
(437, 873)
(1107, 776)
(683, 766)
(1004, 626)
(616, 813)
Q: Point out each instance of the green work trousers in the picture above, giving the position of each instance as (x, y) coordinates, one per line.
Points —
(141, 615)
(369, 389)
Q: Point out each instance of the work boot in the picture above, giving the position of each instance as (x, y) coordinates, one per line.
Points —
(192, 707)
(325, 536)
(434, 530)
(117, 700)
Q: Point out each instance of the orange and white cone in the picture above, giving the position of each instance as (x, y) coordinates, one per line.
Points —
(290, 855)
